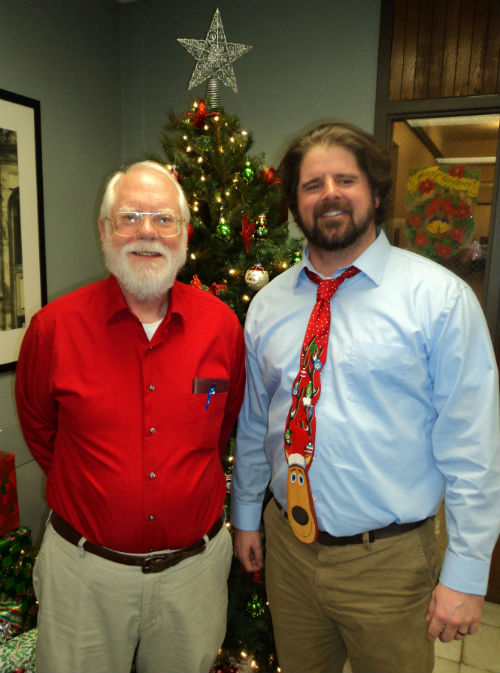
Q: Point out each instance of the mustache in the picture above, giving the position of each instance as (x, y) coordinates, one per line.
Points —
(326, 206)
(145, 246)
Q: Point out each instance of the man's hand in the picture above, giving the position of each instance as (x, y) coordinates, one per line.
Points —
(452, 614)
(248, 549)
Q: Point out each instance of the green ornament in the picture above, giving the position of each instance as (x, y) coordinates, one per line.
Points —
(297, 257)
(248, 172)
(261, 228)
(255, 606)
(223, 230)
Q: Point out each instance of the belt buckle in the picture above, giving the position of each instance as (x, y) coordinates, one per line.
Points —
(155, 564)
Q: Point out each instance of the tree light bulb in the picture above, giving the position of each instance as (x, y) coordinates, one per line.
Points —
(245, 297)
(192, 256)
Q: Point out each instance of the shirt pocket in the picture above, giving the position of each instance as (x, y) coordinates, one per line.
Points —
(207, 405)
(377, 369)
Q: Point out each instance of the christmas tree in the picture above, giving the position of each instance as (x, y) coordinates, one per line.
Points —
(238, 235)
(238, 240)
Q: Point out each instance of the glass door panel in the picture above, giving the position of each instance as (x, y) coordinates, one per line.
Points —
(443, 187)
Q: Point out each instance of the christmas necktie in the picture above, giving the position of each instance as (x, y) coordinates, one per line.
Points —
(300, 430)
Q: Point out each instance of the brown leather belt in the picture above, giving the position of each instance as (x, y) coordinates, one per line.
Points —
(377, 534)
(149, 564)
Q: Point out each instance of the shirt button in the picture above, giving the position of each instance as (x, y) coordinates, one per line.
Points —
(152, 430)
(152, 475)
(152, 517)
(151, 387)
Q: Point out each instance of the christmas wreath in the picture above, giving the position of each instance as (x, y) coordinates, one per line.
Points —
(440, 221)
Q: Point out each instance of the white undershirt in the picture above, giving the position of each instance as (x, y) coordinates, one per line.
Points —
(151, 327)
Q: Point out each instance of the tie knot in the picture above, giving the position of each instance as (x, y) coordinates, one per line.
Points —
(327, 288)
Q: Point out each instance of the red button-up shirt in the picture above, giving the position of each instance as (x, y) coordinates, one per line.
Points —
(132, 453)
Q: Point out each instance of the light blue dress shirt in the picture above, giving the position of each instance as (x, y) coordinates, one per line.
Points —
(408, 412)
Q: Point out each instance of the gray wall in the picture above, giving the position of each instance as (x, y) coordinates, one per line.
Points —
(66, 54)
(310, 60)
(105, 74)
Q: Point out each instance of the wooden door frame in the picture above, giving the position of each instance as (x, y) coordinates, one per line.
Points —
(387, 112)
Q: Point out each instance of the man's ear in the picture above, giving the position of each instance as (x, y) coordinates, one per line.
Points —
(102, 228)
(376, 199)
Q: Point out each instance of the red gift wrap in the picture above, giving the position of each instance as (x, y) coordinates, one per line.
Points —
(9, 508)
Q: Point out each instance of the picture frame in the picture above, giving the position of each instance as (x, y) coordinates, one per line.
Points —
(23, 285)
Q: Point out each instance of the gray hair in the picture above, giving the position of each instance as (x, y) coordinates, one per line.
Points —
(108, 200)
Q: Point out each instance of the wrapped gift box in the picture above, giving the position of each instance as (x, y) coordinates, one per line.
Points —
(16, 562)
(18, 605)
(17, 654)
(9, 508)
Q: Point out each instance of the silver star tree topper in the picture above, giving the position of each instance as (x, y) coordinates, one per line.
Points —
(214, 55)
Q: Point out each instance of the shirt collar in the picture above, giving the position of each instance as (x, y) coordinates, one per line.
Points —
(371, 262)
(115, 301)
(116, 304)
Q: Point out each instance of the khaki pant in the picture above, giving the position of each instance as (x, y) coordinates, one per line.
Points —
(94, 612)
(366, 602)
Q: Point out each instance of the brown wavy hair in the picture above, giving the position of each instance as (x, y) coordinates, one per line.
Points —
(372, 159)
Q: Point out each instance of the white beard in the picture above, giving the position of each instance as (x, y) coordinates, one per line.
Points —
(144, 281)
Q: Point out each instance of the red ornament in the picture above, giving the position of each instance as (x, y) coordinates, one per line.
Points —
(200, 115)
(196, 282)
(247, 229)
(216, 289)
(268, 175)
(190, 231)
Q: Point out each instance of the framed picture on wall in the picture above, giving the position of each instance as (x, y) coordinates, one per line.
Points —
(23, 287)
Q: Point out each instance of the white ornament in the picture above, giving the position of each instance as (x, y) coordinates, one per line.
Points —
(256, 277)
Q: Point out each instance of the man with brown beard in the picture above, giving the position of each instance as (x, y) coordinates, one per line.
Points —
(127, 391)
(388, 403)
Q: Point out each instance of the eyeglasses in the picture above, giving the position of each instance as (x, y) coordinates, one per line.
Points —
(166, 223)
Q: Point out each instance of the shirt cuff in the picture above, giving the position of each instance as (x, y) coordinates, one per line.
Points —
(246, 517)
(470, 576)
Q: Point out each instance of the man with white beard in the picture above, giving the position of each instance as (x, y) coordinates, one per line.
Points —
(127, 391)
